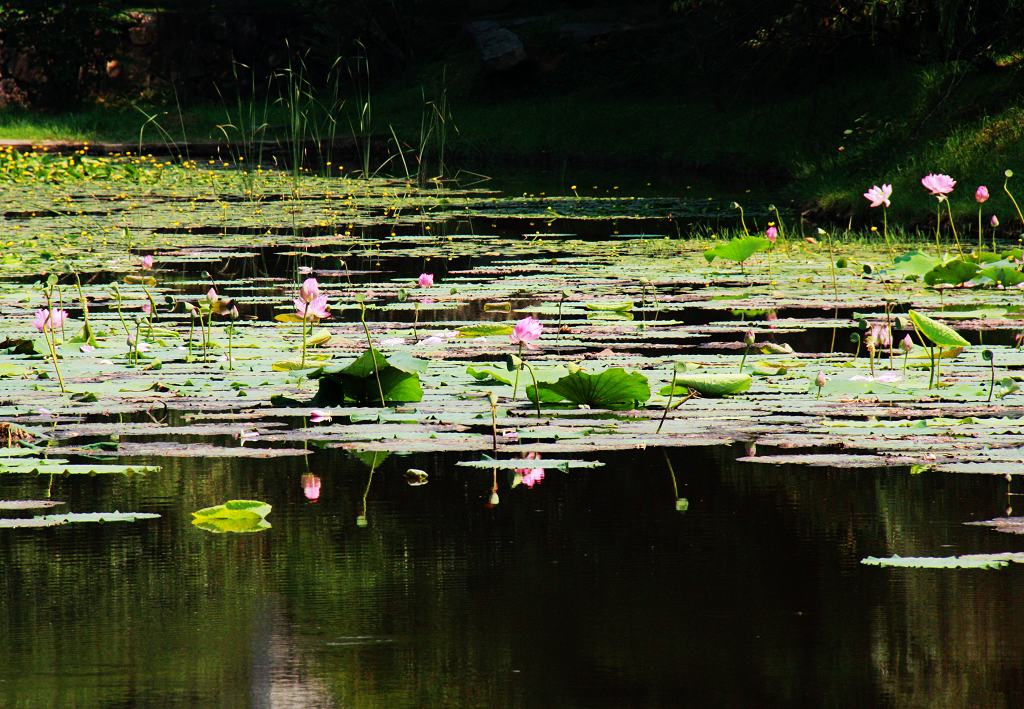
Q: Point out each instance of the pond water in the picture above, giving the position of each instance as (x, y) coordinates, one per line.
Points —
(590, 590)
(680, 550)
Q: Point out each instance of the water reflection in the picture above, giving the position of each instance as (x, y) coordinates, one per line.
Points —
(589, 590)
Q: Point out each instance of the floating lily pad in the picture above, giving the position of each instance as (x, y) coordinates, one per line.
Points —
(234, 516)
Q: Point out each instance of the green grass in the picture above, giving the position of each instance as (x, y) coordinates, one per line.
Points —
(821, 146)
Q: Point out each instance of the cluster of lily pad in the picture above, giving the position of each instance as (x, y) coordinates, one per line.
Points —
(532, 339)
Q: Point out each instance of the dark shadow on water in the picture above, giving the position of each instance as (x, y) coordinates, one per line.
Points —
(589, 590)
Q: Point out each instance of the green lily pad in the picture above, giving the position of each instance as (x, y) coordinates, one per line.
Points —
(711, 384)
(234, 516)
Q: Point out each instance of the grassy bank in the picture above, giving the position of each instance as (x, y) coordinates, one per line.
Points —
(822, 146)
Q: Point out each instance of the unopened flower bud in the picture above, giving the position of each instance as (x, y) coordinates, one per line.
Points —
(820, 380)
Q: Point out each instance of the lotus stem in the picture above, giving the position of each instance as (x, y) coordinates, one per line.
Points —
(952, 226)
(835, 291)
(494, 423)
(373, 356)
(992, 369)
(668, 405)
(981, 231)
(305, 322)
(1006, 189)
(515, 383)
(416, 320)
(885, 233)
(191, 331)
(231, 360)
(742, 220)
(135, 343)
(85, 310)
(938, 224)
(536, 389)
(120, 314)
(51, 344)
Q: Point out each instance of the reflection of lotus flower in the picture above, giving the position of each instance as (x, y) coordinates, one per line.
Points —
(315, 309)
(426, 280)
(981, 194)
(311, 487)
(309, 290)
(531, 476)
(938, 184)
(319, 416)
(51, 320)
(879, 195)
(526, 330)
(147, 262)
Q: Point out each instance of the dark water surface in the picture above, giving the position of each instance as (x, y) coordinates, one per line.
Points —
(590, 590)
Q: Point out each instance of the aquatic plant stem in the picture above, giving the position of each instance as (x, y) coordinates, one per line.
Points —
(981, 231)
(373, 355)
(515, 383)
(493, 401)
(50, 342)
(305, 323)
(938, 224)
(952, 226)
(1006, 189)
(536, 389)
(885, 234)
(120, 314)
(87, 328)
(231, 360)
(415, 320)
(191, 331)
(668, 405)
(835, 291)
(53, 355)
(992, 379)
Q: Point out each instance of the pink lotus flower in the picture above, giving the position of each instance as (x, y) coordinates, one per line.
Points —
(311, 487)
(309, 290)
(316, 309)
(771, 234)
(530, 476)
(426, 280)
(147, 308)
(211, 296)
(879, 195)
(994, 221)
(881, 334)
(525, 331)
(51, 320)
(319, 416)
(147, 262)
(981, 194)
(938, 185)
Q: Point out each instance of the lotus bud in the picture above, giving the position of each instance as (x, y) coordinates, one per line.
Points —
(906, 344)
(749, 339)
(994, 221)
(820, 380)
(493, 500)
